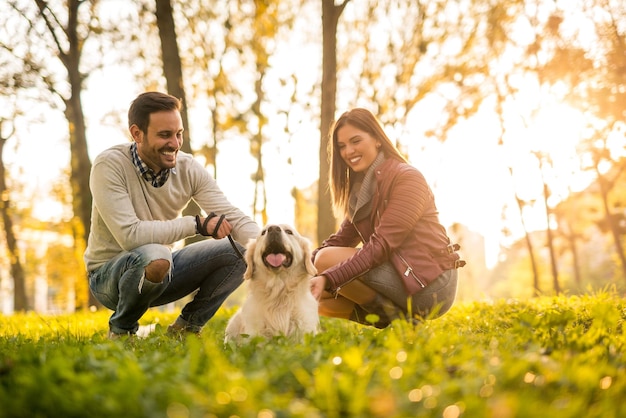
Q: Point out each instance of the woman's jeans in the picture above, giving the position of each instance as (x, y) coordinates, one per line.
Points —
(210, 267)
(431, 302)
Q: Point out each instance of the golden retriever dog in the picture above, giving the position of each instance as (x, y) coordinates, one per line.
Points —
(279, 300)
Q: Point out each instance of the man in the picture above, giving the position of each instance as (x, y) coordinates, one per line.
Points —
(139, 191)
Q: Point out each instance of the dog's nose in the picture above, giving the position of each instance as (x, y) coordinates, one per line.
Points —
(273, 229)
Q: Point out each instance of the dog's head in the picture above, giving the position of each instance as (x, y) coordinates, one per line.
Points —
(277, 249)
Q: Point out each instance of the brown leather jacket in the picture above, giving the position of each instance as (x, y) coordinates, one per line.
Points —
(403, 228)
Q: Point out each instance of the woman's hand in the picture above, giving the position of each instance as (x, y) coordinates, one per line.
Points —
(318, 284)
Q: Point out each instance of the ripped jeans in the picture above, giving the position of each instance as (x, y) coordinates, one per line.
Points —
(210, 267)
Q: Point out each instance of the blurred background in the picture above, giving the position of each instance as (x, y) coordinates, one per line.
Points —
(513, 110)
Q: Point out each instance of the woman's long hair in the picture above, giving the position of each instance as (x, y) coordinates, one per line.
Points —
(340, 175)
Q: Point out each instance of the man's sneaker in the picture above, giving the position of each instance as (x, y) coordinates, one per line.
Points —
(116, 335)
(144, 331)
(180, 327)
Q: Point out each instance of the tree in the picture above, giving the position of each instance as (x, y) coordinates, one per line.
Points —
(568, 229)
(172, 65)
(544, 161)
(608, 182)
(228, 60)
(326, 223)
(595, 81)
(62, 33)
(554, 59)
(67, 41)
(173, 71)
(207, 32)
(15, 78)
(20, 301)
(266, 22)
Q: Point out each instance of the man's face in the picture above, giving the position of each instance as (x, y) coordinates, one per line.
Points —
(159, 146)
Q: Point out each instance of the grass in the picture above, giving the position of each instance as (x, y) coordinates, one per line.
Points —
(546, 357)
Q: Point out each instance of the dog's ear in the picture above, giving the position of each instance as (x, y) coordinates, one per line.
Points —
(249, 259)
(305, 244)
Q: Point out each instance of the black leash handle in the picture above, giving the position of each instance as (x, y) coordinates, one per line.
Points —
(232, 242)
(201, 228)
(217, 225)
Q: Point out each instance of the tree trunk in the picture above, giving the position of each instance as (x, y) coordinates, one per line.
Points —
(20, 301)
(531, 252)
(615, 230)
(326, 224)
(520, 202)
(173, 71)
(256, 148)
(80, 162)
(573, 244)
(553, 262)
(172, 66)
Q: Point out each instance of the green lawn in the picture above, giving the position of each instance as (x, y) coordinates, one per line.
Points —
(547, 357)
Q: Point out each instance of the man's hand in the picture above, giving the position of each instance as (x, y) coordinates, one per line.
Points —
(318, 284)
(222, 231)
(207, 228)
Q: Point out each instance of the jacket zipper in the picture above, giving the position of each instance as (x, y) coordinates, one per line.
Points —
(360, 235)
(409, 270)
(348, 282)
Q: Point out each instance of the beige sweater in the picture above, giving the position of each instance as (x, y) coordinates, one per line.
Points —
(128, 211)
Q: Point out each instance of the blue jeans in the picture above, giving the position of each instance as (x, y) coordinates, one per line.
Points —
(210, 267)
(433, 301)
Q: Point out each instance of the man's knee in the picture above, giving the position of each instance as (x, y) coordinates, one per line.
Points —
(157, 270)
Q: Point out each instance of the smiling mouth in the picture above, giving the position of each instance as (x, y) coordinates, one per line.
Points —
(169, 156)
(354, 160)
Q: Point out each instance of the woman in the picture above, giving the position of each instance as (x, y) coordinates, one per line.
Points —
(405, 266)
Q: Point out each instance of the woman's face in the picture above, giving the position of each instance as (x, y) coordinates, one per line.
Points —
(356, 147)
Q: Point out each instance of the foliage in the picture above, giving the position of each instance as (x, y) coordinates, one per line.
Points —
(544, 357)
(436, 70)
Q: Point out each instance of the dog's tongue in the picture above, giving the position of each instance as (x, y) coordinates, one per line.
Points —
(275, 260)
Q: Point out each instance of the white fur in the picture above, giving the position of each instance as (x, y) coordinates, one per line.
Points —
(279, 300)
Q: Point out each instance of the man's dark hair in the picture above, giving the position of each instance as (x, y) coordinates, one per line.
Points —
(147, 103)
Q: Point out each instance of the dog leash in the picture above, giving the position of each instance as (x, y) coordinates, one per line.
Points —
(230, 238)
(210, 216)
(232, 242)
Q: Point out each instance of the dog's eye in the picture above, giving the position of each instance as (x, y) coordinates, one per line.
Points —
(263, 232)
(288, 231)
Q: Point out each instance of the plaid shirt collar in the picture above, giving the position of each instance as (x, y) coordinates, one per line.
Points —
(158, 179)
